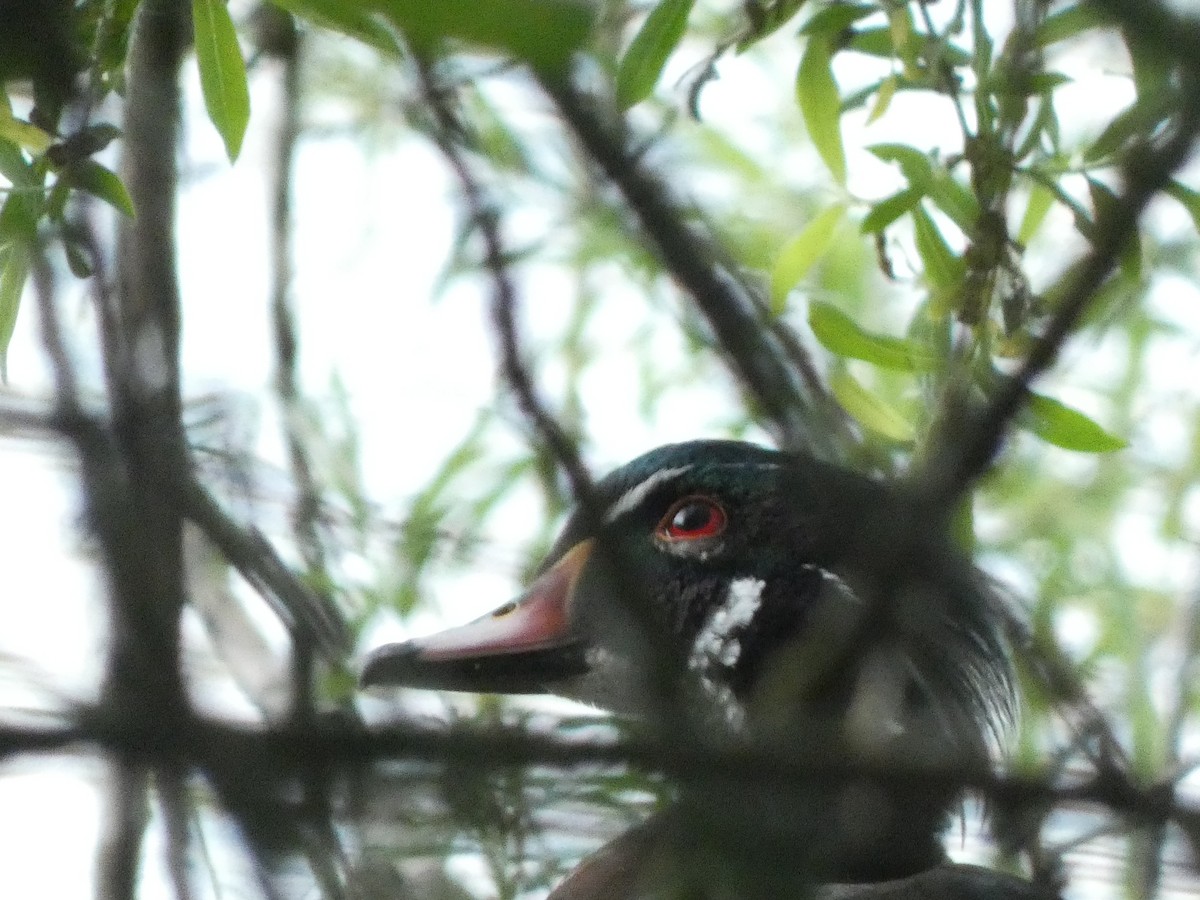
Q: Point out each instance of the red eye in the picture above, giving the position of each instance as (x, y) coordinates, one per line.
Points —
(692, 518)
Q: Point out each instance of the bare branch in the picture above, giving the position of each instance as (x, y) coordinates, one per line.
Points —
(286, 46)
(177, 814)
(801, 413)
(308, 615)
(120, 854)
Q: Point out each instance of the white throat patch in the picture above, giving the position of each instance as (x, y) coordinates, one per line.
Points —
(716, 644)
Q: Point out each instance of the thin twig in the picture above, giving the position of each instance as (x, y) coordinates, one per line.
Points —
(176, 809)
(486, 221)
(306, 515)
(119, 855)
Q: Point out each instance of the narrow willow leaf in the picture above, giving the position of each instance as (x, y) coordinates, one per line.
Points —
(799, 254)
(953, 198)
(14, 269)
(836, 17)
(100, 182)
(1063, 426)
(643, 62)
(351, 19)
(22, 133)
(222, 73)
(914, 164)
(1067, 23)
(768, 19)
(543, 33)
(889, 209)
(878, 42)
(821, 105)
(870, 411)
(1132, 123)
(1188, 197)
(942, 267)
(883, 99)
(840, 334)
(1041, 199)
(15, 167)
(1109, 209)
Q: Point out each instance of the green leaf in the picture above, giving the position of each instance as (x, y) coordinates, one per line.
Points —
(14, 269)
(643, 62)
(954, 199)
(1046, 82)
(100, 182)
(889, 209)
(942, 267)
(351, 19)
(22, 133)
(841, 335)
(543, 33)
(1109, 209)
(883, 99)
(1188, 197)
(222, 73)
(879, 42)
(14, 166)
(1063, 426)
(821, 105)
(869, 410)
(765, 20)
(835, 17)
(799, 254)
(1068, 23)
(914, 164)
(1041, 199)
(1132, 123)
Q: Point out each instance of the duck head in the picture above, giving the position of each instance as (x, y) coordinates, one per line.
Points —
(788, 590)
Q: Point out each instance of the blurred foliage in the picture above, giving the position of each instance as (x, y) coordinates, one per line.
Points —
(910, 189)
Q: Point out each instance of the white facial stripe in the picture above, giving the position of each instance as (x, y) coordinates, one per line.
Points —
(639, 492)
(836, 580)
(716, 644)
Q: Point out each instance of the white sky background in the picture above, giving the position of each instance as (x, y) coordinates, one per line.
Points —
(416, 373)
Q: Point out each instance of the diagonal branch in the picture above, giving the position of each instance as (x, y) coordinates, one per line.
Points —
(800, 412)
(306, 613)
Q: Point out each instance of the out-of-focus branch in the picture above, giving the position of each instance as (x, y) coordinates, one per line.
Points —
(263, 762)
(487, 223)
(285, 46)
(177, 813)
(799, 410)
(119, 854)
(126, 473)
(306, 614)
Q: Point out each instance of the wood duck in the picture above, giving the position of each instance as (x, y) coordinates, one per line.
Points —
(778, 600)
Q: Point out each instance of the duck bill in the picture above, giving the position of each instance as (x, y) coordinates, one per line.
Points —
(524, 647)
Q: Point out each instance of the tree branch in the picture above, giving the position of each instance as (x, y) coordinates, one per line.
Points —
(801, 413)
